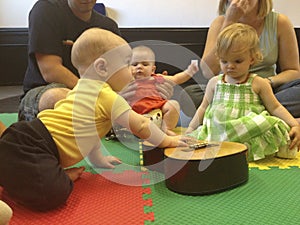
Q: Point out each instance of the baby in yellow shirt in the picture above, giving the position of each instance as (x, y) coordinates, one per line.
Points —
(36, 155)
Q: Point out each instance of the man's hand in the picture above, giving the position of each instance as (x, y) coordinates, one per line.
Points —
(129, 91)
(165, 89)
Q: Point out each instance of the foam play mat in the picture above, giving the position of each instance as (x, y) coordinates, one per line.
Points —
(131, 194)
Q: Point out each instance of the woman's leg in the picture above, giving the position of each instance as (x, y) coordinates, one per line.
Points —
(289, 96)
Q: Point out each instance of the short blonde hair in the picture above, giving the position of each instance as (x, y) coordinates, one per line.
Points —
(239, 33)
(264, 7)
(91, 44)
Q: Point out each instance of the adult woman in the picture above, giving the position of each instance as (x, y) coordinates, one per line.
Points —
(277, 42)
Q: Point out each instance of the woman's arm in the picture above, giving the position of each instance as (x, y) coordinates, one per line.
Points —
(288, 53)
(209, 64)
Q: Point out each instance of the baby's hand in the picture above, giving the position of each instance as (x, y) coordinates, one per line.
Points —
(108, 162)
(180, 140)
(192, 68)
(295, 137)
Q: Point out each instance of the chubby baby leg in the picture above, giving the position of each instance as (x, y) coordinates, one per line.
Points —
(170, 112)
(5, 213)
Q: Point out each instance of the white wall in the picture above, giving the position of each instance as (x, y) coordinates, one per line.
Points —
(15, 13)
(162, 13)
(291, 8)
(147, 13)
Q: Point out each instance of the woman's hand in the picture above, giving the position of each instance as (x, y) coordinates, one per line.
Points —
(236, 10)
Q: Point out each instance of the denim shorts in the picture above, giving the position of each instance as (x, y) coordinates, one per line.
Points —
(29, 105)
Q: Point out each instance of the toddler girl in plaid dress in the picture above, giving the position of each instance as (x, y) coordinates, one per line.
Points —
(239, 106)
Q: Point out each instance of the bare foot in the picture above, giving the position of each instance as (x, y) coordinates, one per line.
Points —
(6, 213)
(74, 173)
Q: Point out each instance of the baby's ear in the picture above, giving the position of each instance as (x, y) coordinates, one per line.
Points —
(153, 68)
(100, 66)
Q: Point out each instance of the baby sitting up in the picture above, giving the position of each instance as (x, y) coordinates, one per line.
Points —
(143, 95)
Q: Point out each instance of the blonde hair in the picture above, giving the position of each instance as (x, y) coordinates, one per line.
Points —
(145, 49)
(91, 44)
(239, 33)
(264, 7)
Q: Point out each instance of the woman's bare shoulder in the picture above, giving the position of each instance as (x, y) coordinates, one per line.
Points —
(283, 23)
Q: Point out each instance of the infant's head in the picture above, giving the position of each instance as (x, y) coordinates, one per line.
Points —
(237, 39)
(96, 43)
(142, 62)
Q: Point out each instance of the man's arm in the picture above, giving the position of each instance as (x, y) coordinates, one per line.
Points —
(52, 70)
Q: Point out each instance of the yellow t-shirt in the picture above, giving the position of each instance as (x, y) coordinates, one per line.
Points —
(77, 123)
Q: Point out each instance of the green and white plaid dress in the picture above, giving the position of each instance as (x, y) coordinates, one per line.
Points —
(237, 114)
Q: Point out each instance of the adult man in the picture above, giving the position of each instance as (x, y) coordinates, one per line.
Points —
(53, 26)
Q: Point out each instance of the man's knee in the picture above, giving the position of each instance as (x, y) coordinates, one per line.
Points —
(50, 97)
(32, 103)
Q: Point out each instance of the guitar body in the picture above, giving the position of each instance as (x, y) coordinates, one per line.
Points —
(153, 157)
(214, 168)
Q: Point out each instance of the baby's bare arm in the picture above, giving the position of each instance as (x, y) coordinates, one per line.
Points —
(199, 115)
(185, 75)
(142, 127)
(263, 89)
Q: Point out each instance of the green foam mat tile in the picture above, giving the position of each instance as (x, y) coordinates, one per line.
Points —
(127, 152)
(8, 118)
(269, 197)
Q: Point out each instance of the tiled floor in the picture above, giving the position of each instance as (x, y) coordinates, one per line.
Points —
(9, 98)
